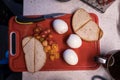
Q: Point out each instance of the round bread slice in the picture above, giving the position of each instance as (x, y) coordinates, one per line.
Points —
(35, 57)
(89, 32)
(80, 17)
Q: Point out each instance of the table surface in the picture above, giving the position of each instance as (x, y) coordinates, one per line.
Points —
(108, 21)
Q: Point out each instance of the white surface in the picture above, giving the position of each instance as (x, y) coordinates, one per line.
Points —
(65, 75)
(109, 22)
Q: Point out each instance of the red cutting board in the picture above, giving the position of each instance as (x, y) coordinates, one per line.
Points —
(86, 52)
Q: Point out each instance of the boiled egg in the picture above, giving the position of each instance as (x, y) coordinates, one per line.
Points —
(60, 26)
(70, 57)
(74, 41)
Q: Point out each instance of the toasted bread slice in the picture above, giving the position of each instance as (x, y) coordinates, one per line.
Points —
(80, 17)
(89, 32)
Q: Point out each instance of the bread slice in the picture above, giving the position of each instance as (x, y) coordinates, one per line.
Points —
(80, 17)
(26, 40)
(40, 55)
(85, 27)
(29, 54)
(35, 57)
(89, 32)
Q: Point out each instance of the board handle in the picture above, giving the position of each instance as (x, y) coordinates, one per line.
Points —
(13, 41)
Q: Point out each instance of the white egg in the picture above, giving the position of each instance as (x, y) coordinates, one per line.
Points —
(60, 26)
(70, 57)
(74, 41)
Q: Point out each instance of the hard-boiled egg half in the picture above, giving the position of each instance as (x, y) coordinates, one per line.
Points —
(74, 41)
(70, 57)
(60, 26)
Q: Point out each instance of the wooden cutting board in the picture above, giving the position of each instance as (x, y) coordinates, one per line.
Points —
(86, 52)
